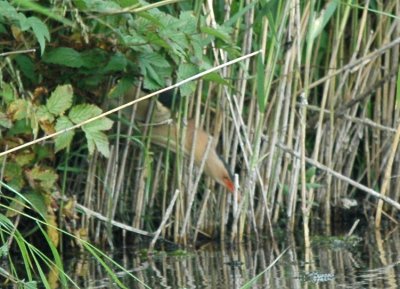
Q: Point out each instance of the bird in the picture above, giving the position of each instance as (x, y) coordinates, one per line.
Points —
(214, 165)
(166, 132)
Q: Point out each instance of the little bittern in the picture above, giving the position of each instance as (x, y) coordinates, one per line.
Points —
(166, 133)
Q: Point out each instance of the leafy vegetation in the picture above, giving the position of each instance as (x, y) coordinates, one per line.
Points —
(323, 91)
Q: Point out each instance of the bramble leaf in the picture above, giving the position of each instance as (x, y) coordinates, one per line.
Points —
(60, 99)
(64, 56)
(82, 112)
(40, 31)
(63, 140)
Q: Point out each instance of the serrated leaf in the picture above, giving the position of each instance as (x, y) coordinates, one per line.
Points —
(64, 56)
(91, 145)
(82, 112)
(18, 109)
(25, 157)
(13, 175)
(154, 59)
(64, 140)
(99, 124)
(40, 31)
(99, 140)
(60, 99)
(7, 93)
(43, 114)
(186, 70)
(7, 10)
(154, 75)
(44, 177)
(188, 22)
(118, 62)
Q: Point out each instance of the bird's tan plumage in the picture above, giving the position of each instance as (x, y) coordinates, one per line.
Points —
(167, 133)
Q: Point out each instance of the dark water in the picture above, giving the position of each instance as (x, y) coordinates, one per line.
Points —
(370, 260)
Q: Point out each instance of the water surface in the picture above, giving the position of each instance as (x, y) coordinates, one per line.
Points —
(370, 260)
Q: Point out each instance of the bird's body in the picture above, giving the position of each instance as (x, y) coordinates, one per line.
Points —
(167, 133)
(214, 166)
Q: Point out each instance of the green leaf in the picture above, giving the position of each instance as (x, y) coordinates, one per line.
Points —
(118, 62)
(40, 31)
(219, 32)
(319, 24)
(187, 22)
(42, 152)
(215, 77)
(99, 124)
(92, 58)
(7, 10)
(26, 65)
(32, 6)
(60, 99)
(82, 112)
(64, 140)
(38, 202)
(4, 249)
(19, 127)
(18, 109)
(120, 88)
(31, 285)
(7, 93)
(13, 175)
(64, 56)
(105, 6)
(186, 70)
(43, 114)
(153, 59)
(233, 19)
(15, 207)
(152, 73)
(45, 177)
(24, 158)
(5, 121)
(99, 140)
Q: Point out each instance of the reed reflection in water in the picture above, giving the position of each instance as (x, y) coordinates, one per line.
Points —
(374, 262)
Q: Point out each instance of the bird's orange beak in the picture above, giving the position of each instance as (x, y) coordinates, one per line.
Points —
(231, 188)
(229, 185)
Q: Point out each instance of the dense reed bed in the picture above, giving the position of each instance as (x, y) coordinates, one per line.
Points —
(300, 98)
(309, 124)
(310, 127)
